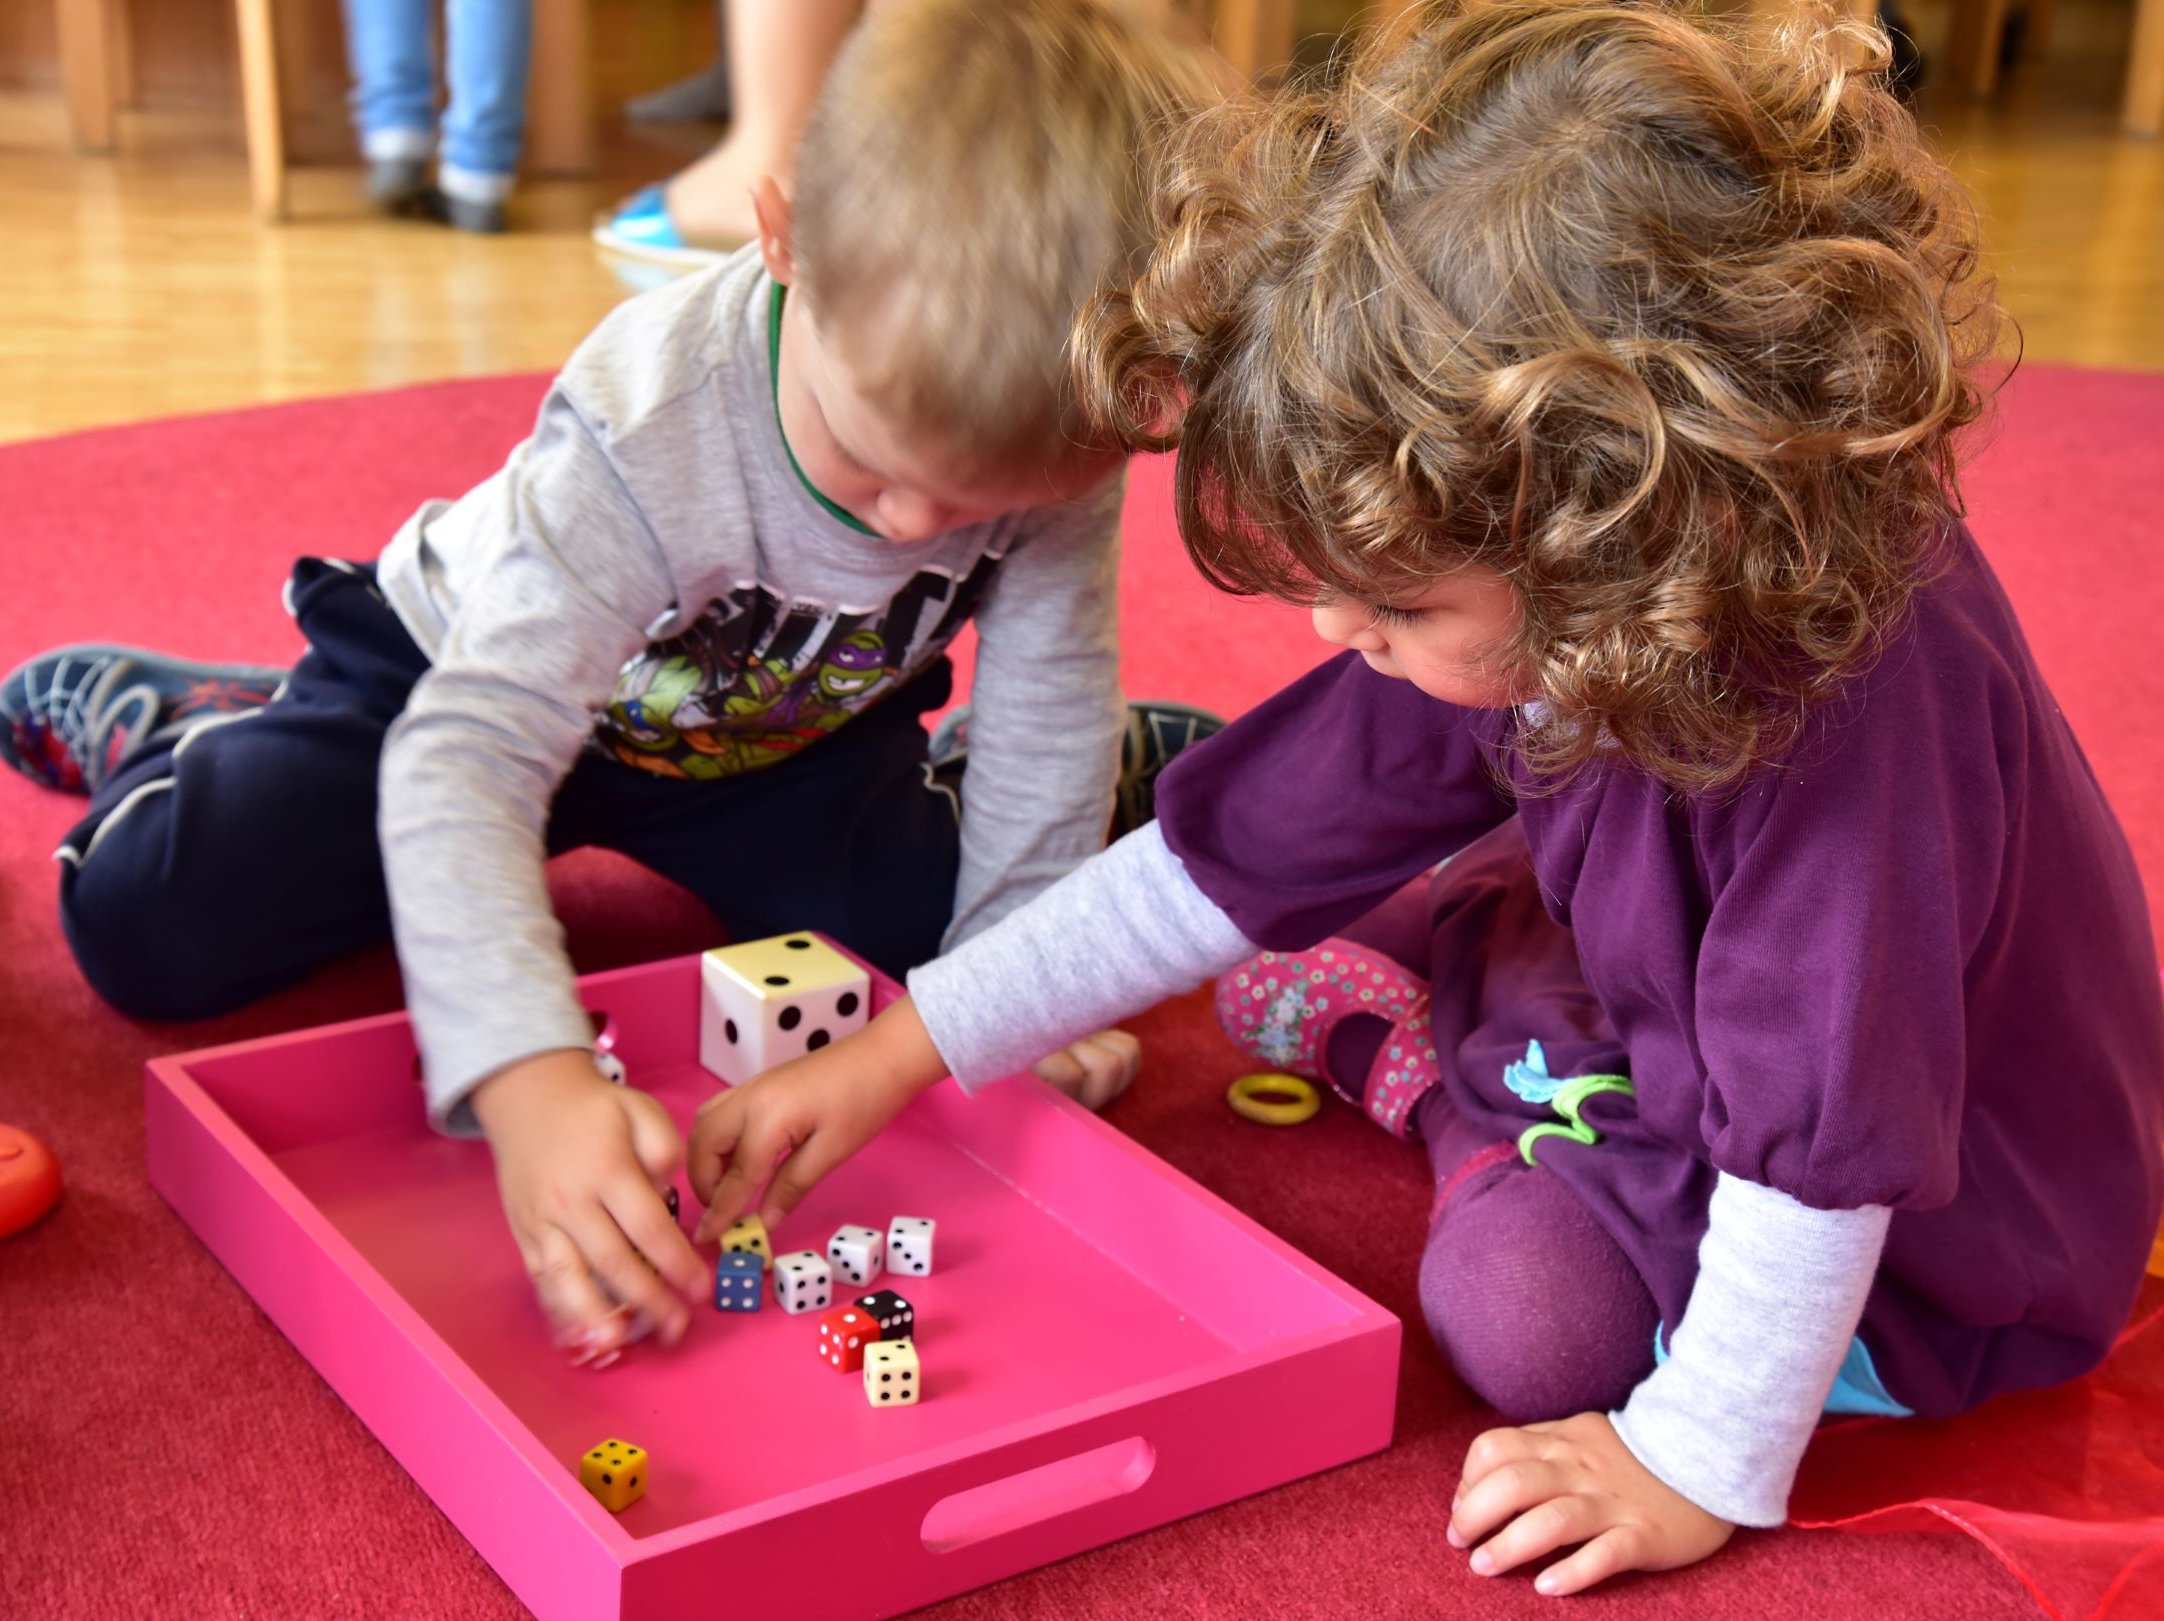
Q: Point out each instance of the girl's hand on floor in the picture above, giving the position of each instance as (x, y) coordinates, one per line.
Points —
(771, 1139)
(579, 1162)
(1096, 1069)
(1527, 1492)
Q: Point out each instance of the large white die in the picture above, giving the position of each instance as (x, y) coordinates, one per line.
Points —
(767, 1001)
(803, 1282)
(909, 1245)
(892, 1375)
(857, 1253)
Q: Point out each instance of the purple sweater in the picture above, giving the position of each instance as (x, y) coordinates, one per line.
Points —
(1912, 966)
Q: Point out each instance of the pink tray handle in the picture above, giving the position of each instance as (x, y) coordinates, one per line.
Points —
(1033, 1496)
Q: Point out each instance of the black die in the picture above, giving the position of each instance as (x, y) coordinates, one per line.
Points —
(897, 1319)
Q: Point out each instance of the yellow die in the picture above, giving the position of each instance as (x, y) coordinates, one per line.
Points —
(615, 1472)
(748, 1234)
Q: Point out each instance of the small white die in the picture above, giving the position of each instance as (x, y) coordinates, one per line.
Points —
(857, 1253)
(909, 1245)
(803, 1282)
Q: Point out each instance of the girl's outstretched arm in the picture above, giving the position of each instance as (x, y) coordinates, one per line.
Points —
(1123, 931)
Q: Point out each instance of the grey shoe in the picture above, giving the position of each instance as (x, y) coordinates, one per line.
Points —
(1155, 733)
(485, 219)
(701, 99)
(398, 185)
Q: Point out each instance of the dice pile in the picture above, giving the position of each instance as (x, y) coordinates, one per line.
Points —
(876, 1333)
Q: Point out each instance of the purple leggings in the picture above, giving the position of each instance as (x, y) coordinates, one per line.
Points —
(1531, 1301)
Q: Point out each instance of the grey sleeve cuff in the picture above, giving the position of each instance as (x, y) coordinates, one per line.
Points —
(1780, 1289)
(1122, 932)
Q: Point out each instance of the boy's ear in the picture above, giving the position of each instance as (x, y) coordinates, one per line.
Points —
(771, 209)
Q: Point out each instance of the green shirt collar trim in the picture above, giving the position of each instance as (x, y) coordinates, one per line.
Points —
(773, 358)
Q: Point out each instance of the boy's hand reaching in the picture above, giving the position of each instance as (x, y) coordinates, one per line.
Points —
(578, 1161)
(774, 1137)
(1527, 1492)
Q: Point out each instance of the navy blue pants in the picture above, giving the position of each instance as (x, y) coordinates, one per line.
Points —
(210, 875)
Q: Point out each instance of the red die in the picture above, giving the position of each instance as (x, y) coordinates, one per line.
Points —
(843, 1334)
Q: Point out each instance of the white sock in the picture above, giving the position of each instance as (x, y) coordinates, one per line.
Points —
(474, 185)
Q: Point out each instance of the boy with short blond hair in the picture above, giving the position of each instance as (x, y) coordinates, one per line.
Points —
(696, 618)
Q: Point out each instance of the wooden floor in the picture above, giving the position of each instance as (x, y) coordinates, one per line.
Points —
(139, 286)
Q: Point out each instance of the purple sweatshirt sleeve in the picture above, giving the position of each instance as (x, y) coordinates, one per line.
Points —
(1312, 809)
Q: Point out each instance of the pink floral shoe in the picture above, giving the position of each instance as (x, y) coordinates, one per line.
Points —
(1281, 1007)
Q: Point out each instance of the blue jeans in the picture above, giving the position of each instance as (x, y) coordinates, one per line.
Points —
(394, 90)
(214, 877)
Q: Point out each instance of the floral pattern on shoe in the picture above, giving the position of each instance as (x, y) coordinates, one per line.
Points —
(1280, 1007)
(1404, 1070)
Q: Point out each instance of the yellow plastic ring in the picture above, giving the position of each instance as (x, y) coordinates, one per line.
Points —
(1251, 1097)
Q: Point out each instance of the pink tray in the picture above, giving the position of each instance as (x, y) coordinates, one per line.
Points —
(1107, 1347)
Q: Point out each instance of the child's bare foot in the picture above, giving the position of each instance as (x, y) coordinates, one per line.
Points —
(1096, 1069)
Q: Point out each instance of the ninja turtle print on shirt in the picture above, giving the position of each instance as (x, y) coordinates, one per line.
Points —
(756, 680)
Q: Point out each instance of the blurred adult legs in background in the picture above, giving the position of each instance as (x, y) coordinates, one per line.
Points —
(488, 44)
(777, 54)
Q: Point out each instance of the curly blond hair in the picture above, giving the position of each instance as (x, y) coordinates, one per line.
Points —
(1672, 325)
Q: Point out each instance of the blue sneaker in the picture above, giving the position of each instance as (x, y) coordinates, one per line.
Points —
(641, 229)
(71, 717)
(1155, 733)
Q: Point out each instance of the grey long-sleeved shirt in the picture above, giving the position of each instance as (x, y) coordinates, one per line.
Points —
(648, 575)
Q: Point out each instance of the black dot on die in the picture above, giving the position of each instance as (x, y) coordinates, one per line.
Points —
(816, 1040)
(777, 979)
(728, 1028)
(791, 1017)
(799, 943)
(847, 1005)
(633, 1481)
(608, 1480)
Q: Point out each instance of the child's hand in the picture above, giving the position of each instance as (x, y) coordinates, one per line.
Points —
(578, 1160)
(1096, 1069)
(782, 1131)
(1550, 1485)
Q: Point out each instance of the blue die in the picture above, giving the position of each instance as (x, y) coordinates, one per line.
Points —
(738, 1277)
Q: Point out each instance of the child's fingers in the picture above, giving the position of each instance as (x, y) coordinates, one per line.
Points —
(807, 1163)
(761, 1143)
(1554, 1523)
(1499, 1494)
(714, 1137)
(1609, 1554)
(654, 1137)
(623, 1271)
(639, 1213)
(585, 1320)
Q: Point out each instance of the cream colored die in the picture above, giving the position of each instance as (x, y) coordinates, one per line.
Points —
(892, 1375)
(768, 1001)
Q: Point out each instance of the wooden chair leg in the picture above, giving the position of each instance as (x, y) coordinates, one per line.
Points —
(2144, 113)
(1972, 48)
(1255, 36)
(86, 70)
(122, 50)
(262, 106)
(560, 135)
(2037, 38)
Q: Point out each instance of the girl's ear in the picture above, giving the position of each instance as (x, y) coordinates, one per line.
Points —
(771, 209)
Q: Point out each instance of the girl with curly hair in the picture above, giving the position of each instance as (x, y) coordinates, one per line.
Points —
(1685, 848)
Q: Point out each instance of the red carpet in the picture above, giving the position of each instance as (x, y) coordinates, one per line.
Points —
(163, 1453)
